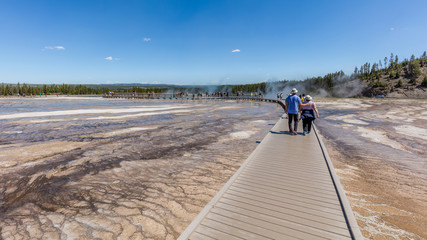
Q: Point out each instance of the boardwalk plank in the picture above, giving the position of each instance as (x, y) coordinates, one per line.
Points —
(294, 176)
(264, 177)
(302, 217)
(250, 227)
(203, 236)
(204, 232)
(288, 202)
(301, 211)
(302, 172)
(233, 229)
(296, 189)
(285, 217)
(291, 228)
(278, 163)
(315, 187)
(288, 195)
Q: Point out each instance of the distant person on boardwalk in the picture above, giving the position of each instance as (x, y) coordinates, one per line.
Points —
(307, 114)
(292, 107)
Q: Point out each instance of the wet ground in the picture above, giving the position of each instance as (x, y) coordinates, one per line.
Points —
(90, 168)
(378, 148)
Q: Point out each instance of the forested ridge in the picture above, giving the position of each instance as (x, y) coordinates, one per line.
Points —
(392, 76)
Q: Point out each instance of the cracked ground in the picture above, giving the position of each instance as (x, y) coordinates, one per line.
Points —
(93, 168)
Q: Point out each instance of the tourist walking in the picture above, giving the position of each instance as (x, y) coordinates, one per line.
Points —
(307, 114)
(292, 107)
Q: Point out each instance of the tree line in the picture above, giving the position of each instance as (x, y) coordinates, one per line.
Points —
(70, 89)
(65, 89)
(255, 87)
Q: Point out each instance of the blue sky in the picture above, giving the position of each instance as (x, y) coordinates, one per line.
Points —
(192, 42)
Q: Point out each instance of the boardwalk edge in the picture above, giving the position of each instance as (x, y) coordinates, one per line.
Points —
(349, 216)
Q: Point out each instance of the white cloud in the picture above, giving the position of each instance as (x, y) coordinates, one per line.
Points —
(392, 29)
(235, 50)
(110, 58)
(147, 39)
(54, 48)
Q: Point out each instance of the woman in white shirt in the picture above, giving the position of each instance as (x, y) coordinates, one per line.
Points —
(307, 110)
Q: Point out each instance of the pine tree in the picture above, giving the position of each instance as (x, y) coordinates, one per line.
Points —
(424, 82)
(414, 69)
(397, 74)
(7, 90)
(374, 68)
(24, 88)
(398, 69)
(391, 75)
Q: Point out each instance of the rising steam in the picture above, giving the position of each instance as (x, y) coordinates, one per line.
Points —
(336, 86)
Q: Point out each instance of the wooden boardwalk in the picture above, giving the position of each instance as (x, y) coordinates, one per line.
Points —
(286, 189)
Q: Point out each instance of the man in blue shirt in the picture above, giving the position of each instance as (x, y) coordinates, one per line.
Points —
(293, 103)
